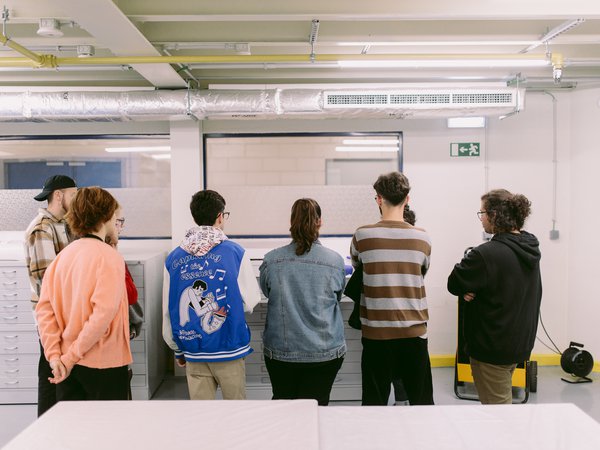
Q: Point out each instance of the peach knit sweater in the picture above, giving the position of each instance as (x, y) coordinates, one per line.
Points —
(82, 314)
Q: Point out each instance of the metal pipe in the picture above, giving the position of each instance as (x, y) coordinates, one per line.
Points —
(37, 59)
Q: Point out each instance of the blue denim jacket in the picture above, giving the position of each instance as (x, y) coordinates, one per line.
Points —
(304, 320)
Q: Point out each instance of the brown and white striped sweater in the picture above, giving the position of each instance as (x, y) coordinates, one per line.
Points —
(395, 256)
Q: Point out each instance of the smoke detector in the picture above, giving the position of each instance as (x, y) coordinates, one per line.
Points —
(49, 28)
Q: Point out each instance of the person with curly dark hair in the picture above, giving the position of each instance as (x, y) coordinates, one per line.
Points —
(500, 281)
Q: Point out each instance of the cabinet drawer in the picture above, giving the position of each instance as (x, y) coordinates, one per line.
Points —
(17, 336)
(11, 361)
(19, 348)
(28, 370)
(258, 379)
(13, 273)
(9, 295)
(138, 380)
(137, 346)
(18, 383)
(17, 317)
(14, 283)
(138, 368)
(9, 306)
(256, 369)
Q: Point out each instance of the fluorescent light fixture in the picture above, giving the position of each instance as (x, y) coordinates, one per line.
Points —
(366, 149)
(162, 156)
(553, 33)
(430, 43)
(444, 63)
(370, 142)
(137, 149)
(466, 122)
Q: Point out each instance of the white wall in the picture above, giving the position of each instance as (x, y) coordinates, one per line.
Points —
(446, 191)
(583, 295)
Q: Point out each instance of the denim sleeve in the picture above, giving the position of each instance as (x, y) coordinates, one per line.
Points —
(264, 277)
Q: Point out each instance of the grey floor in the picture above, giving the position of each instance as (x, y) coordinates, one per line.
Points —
(551, 389)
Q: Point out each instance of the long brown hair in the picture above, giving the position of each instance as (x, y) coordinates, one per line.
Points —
(305, 223)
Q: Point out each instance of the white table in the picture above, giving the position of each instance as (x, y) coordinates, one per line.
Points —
(465, 427)
(182, 424)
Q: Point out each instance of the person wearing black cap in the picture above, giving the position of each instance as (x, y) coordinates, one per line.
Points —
(46, 235)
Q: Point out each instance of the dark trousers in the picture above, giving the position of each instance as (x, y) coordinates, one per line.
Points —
(46, 390)
(85, 383)
(386, 360)
(293, 380)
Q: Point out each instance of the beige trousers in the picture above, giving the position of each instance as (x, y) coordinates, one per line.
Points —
(203, 379)
(493, 382)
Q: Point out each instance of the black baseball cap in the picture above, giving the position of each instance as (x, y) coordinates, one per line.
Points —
(54, 183)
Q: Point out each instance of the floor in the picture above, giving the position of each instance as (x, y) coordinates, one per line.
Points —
(551, 389)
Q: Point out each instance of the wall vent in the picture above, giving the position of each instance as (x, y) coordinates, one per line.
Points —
(503, 97)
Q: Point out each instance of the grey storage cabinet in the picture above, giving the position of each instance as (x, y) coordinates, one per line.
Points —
(148, 349)
(347, 385)
(19, 343)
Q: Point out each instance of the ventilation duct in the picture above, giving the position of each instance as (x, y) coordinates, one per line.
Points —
(263, 104)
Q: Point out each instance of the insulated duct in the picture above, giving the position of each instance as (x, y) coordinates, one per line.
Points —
(264, 104)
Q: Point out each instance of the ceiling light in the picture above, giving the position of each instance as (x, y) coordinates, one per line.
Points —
(137, 149)
(444, 63)
(49, 28)
(370, 142)
(555, 32)
(162, 156)
(466, 122)
(366, 149)
(429, 43)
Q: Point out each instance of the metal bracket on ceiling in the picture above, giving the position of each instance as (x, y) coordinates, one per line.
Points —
(515, 82)
(312, 38)
(5, 16)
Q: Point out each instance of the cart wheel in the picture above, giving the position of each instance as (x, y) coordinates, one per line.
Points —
(532, 375)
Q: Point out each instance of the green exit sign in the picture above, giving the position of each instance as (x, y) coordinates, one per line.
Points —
(465, 149)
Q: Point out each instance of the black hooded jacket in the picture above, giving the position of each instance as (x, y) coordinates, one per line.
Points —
(504, 273)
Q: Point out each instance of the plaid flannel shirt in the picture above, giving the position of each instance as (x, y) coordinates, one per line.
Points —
(45, 237)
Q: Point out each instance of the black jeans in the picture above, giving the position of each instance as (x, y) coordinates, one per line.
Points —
(85, 383)
(386, 360)
(46, 390)
(294, 380)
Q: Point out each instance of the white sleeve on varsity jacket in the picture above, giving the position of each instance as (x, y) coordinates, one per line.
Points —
(248, 284)
(167, 331)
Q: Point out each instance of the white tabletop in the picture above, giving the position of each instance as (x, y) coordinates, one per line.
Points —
(183, 424)
(498, 427)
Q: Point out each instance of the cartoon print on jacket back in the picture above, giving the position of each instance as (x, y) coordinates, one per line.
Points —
(204, 304)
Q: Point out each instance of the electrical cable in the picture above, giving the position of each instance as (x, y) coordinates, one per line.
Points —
(542, 322)
(545, 345)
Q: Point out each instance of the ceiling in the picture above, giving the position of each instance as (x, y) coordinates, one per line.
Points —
(241, 42)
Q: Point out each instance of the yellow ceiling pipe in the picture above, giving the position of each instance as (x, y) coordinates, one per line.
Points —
(51, 61)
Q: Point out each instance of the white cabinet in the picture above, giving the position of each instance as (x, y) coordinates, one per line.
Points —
(19, 344)
(148, 349)
(347, 385)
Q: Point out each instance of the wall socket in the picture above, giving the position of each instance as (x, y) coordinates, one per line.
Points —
(554, 235)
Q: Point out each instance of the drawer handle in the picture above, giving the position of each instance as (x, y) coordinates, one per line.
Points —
(11, 317)
(9, 360)
(12, 348)
(8, 272)
(11, 336)
(12, 371)
(10, 294)
(9, 283)
(11, 382)
(10, 306)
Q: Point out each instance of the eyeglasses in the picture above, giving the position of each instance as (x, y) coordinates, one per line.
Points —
(120, 221)
(225, 215)
(481, 213)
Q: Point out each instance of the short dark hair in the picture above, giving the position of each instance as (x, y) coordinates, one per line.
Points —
(392, 187)
(90, 208)
(506, 211)
(206, 206)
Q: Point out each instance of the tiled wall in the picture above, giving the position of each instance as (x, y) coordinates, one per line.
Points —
(276, 161)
